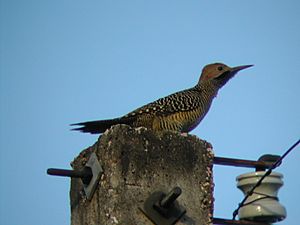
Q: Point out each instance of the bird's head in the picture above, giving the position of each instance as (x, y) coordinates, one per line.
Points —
(218, 73)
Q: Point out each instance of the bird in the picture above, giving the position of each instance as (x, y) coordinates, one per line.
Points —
(181, 111)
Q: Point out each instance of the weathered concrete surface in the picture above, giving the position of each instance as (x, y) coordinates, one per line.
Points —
(136, 163)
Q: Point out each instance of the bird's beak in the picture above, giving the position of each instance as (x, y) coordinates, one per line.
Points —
(238, 68)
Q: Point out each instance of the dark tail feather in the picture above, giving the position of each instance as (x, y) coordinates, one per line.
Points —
(100, 126)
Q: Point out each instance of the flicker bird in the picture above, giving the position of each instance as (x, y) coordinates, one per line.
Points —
(181, 111)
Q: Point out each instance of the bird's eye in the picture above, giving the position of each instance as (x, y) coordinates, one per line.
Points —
(220, 68)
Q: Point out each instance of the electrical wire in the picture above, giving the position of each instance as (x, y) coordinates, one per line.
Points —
(268, 172)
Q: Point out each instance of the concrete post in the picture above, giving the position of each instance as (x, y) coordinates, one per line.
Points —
(136, 163)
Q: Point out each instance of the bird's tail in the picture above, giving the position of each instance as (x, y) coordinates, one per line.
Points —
(100, 126)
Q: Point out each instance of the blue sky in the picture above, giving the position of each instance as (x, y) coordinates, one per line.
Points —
(70, 61)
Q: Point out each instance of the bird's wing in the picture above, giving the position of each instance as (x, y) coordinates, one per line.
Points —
(185, 100)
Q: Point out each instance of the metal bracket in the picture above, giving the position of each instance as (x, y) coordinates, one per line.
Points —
(90, 175)
(97, 170)
(163, 209)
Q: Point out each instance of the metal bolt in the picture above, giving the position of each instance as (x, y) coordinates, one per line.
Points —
(167, 201)
(85, 174)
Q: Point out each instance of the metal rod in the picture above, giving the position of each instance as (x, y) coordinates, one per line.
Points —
(65, 173)
(241, 163)
(170, 197)
(220, 221)
(85, 174)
